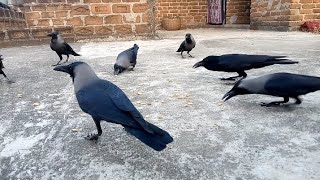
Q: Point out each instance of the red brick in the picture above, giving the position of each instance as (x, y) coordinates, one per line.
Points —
(43, 22)
(83, 30)
(49, 14)
(123, 29)
(39, 7)
(316, 10)
(103, 30)
(75, 21)
(142, 28)
(18, 34)
(32, 15)
(80, 10)
(120, 8)
(130, 0)
(93, 20)
(40, 33)
(306, 1)
(60, 14)
(92, 1)
(111, 1)
(139, 8)
(307, 6)
(57, 22)
(101, 9)
(113, 19)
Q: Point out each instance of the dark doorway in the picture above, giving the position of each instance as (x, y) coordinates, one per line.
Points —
(216, 12)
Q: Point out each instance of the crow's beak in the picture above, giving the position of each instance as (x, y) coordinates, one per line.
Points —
(116, 71)
(62, 69)
(50, 35)
(229, 95)
(198, 64)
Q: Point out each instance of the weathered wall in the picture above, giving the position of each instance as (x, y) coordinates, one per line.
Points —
(90, 18)
(10, 20)
(283, 15)
(193, 13)
(238, 12)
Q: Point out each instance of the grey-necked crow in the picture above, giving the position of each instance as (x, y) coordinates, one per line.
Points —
(105, 101)
(60, 46)
(126, 59)
(1, 71)
(240, 62)
(187, 45)
(284, 85)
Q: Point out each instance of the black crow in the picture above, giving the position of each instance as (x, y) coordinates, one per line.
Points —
(187, 45)
(1, 71)
(2, 5)
(105, 101)
(126, 59)
(240, 62)
(60, 46)
(284, 85)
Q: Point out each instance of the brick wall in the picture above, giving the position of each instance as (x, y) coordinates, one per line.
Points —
(238, 12)
(10, 20)
(89, 18)
(193, 13)
(283, 15)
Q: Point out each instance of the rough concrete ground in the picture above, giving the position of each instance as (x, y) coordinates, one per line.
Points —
(236, 140)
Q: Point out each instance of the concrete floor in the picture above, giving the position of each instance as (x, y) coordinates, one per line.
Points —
(42, 126)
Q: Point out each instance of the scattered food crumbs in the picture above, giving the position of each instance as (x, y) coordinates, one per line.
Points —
(75, 130)
(36, 104)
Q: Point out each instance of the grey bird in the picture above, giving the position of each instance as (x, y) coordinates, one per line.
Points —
(1, 71)
(104, 101)
(61, 47)
(126, 59)
(284, 85)
(240, 62)
(187, 45)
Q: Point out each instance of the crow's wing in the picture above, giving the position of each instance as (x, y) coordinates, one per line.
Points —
(68, 48)
(182, 47)
(285, 84)
(108, 102)
(246, 62)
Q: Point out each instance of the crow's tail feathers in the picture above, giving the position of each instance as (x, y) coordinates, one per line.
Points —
(75, 54)
(285, 61)
(157, 141)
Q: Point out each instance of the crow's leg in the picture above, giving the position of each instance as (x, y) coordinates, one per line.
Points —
(275, 103)
(241, 74)
(189, 54)
(298, 101)
(182, 55)
(95, 136)
(60, 56)
(9, 81)
(67, 58)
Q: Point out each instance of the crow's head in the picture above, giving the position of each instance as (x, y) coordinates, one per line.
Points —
(118, 69)
(188, 37)
(1, 57)
(69, 69)
(135, 46)
(208, 62)
(238, 89)
(54, 34)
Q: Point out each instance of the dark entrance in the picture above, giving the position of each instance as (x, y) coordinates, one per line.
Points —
(216, 12)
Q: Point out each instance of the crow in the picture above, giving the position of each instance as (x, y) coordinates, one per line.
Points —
(126, 59)
(187, 45)
(240, 62)
(2, 5)
(105, 101)
(60, 46)
(1, 71)
(284, 85)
